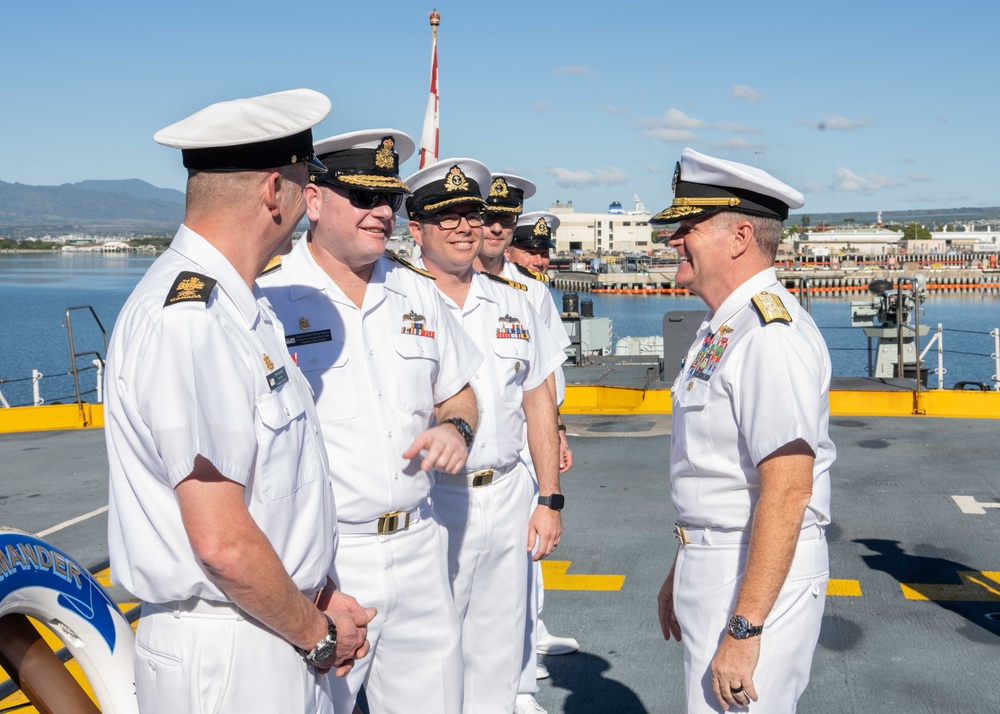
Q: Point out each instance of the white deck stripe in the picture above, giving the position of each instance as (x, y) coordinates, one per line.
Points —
(72, 521)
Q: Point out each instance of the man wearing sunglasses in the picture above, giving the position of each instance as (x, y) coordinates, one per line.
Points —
(486, 506)
(385, 360)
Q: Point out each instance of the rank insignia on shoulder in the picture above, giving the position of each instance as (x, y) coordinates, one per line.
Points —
(770, 308)
(190, 287)
(541, 277)
(272, 265)
(510, 283)
(396, 259)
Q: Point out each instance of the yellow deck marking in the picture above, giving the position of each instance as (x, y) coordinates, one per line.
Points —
(843, 588)
(977, 586)
(556, 578)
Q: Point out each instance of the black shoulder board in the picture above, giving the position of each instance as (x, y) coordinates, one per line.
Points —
(499, 279)
(190, 287)
(396, 259)
(273, 264)
(541, 277)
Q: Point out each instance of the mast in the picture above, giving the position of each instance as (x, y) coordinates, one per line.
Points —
(430, 138)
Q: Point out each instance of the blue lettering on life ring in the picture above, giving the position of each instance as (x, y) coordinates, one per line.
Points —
(26, 561)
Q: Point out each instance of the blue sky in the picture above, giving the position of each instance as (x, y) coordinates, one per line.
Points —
(863, 106)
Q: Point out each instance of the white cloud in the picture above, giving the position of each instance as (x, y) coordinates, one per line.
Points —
(736, 128)
(652, 168)
(746, 94)
(923, 178)
(541, 107)
(847, 180)
(835, 122)
(670, 134)
(736, 142)
(814, 187)
(611, 109)
(580, 178)
(575, 70)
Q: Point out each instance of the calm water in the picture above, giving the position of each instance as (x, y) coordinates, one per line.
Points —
(36, 290)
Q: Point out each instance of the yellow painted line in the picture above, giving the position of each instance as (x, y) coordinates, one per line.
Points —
(591, 399)
(977, 586)
(555, 577)
(843, 588)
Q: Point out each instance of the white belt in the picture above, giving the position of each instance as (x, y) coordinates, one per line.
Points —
(476, 479)
(201, 606)
(387, 523)
(721, 536)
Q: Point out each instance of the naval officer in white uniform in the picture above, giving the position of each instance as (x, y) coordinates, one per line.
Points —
(221, 519)
(385, 359)
(750, 451)
(486, 508)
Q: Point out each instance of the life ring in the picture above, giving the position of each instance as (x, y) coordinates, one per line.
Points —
(41, 581)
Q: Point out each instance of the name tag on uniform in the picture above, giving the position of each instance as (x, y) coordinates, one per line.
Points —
(308, 338)
(277, 378)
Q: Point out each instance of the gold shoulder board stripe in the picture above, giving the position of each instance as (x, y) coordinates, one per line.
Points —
(771, 308)
(541, 277)
(396, 259)
(273, 264)
(190, 287)
(500, 279)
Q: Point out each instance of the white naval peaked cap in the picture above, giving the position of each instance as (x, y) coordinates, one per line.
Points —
(448, 182)
(508, 193)
(704, 185)
(367, 159)
(252, 133)
(535, 229)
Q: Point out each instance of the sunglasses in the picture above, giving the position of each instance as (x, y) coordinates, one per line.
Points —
(507, 220)
(367, 200)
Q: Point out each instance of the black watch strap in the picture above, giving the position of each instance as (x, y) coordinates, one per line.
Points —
(556, 501)
(463, 428)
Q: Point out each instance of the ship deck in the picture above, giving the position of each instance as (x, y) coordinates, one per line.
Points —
(912, 620)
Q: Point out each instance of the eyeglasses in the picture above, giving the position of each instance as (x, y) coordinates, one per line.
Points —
(450, 221)
(367, 200)
(507, 220)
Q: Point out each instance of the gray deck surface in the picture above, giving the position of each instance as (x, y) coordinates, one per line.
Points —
(894, 522)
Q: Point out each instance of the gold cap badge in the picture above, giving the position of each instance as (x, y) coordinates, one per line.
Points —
(385, 156)
(455, 180)
(542, 228)
(499, 188)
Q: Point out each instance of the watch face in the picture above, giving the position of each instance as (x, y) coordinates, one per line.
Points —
(739, 627)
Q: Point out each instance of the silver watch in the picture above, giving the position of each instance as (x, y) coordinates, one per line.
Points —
(325, 647)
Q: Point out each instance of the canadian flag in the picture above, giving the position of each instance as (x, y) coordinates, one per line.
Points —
(430, 137)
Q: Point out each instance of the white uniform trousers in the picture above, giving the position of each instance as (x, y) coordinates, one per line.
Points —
(487, 542)
(528, 683)
(706, 580)
(415, 664)
(199, 657)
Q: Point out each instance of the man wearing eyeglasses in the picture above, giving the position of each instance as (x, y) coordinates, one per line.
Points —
(385, 359)
(485, 507)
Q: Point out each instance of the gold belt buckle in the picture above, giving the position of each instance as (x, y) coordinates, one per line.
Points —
(680, 534)
(482, 478)
(391, 522)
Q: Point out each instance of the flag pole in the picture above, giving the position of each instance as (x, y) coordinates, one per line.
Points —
(430, 138)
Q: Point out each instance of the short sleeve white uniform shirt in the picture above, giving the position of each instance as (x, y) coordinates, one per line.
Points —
(189, 377)
(520, 355)
(746, 389)
(376, 371)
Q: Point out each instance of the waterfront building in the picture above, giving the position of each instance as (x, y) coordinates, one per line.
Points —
(616, 231)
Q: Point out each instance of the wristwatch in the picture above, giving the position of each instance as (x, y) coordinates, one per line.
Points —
(463, 428)
(741, 629)
(324, 648)
(556, 501)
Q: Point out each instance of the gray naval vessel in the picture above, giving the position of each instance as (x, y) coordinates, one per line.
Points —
(912, 619)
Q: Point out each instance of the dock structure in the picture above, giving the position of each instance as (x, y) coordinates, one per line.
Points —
(662, 281)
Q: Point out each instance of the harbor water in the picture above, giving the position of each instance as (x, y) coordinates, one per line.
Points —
(36, 290)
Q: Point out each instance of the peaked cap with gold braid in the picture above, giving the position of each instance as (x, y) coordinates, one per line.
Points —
(366, 159)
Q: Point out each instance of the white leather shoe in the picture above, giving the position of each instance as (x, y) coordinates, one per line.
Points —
(526, 704)
(541, 671)
(552, 645)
